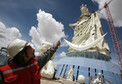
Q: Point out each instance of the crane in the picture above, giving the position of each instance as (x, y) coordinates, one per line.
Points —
(115, 39)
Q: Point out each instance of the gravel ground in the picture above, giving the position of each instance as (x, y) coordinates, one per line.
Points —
(58, 80)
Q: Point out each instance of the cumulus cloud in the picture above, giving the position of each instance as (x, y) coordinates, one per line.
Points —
(48, 29)
(115, 8)
(8, 34)
(63, 54)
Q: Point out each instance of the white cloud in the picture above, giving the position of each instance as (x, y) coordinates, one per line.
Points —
(8, 34)
(63, 54)
(35, 37)
(115, 8)
(48, 29)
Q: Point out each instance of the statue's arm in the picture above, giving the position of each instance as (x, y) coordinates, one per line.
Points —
(71, 25)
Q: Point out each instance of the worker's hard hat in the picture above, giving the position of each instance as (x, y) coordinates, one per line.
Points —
(16, 46)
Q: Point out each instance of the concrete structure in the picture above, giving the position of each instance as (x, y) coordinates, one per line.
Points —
(89, 53)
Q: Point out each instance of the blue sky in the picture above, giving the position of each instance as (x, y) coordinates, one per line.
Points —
(38, 20)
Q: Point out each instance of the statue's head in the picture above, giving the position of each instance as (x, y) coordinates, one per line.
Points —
(84, 10)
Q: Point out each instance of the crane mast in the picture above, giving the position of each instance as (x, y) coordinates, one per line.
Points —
(115, 39)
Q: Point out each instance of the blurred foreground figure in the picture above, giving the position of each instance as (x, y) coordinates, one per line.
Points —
(24, 68)
(49, 69)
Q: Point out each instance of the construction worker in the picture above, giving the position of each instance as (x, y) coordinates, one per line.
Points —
(24, 67)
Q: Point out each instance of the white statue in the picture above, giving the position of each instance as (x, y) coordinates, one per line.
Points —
(88, 34)
(49, 69)
(98, 80)
(70, 74)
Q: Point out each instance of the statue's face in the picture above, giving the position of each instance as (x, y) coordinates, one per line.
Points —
(84, 9)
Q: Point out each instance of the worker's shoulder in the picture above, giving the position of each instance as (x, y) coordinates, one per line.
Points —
(5, 67)
(8, 66)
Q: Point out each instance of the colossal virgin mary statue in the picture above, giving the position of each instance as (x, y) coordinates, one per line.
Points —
(88, 34)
